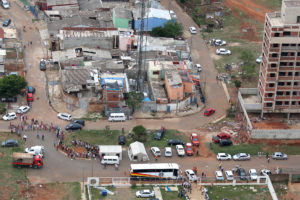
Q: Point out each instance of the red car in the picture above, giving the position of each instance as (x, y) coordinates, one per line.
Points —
(221, 136)
(195, 140)
(30, 97)
(209, 111)
(189, 149)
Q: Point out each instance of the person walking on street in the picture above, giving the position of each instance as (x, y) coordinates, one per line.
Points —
(43, 137)
(268, 159)
(37, 135)
(54, 143)
(24, 137)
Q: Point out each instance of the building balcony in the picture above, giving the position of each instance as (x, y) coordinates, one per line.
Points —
(287, 58)
(296, 77)
(269, 99)
(271, 59)
(271, 79)
(292, 48)
(274, 50)
(285, 68)
(272, 69)
(287, 98)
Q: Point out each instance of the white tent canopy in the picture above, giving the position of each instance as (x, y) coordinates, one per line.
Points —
(137, 152)
(111, 150)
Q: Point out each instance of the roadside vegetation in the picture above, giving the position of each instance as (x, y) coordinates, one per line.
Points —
(171, 29)
(12, 85)
(10, 177)
(253, 149)
(239, 192)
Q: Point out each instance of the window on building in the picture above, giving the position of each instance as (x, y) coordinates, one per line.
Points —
(281, 73)
(285, 45)
(292, 54)
(277, 35)
(269, 104)
(297, 63)
(296, 73)
(284, 53)
(273, 65)
(271, 85)
(272, 75)
(279, 93)
(290, 74)
(294, 93)
(293, 45)
(280, 83)
(298, 19)
(270, 94)
(287, 93)
(278, 103)
(293, 103)
(275, 45)
(288, 83)
(283, 63)
(274, 55)
(295, 83)
(286, 103)
(298, 53)
(291, 64)
(286, 33)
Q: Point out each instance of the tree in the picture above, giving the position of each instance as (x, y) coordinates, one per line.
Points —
(140, 133)
(247, 57)
(12, 85)
(171, 29)
(134, 100)
(2, 108)
(248, 70)
(237, 83)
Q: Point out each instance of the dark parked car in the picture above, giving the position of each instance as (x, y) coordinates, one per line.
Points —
(6, 22)
(9, 99)
(79, 121)
(122, 140)
(30, 89)
(43, 65)
(73, 126)
(159, 134)
(175, 142)
(225, 142)
(242, 173)
(10, 143)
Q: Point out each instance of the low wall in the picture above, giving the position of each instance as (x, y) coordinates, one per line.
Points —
(279, 177)
(248, 90)
(275, 134)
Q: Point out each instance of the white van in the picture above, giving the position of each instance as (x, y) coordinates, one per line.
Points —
(117, 117)
(110, 160)
(36, 150)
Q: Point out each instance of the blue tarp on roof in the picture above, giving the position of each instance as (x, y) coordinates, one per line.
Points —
(146, 99)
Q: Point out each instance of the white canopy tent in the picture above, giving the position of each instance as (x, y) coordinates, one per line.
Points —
(137, 152)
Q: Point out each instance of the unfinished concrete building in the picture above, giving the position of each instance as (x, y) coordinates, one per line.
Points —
(279, 77)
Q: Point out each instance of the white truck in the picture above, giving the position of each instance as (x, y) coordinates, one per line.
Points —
(36, 150)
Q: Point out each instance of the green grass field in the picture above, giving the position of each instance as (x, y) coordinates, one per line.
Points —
(253, 149)
(72, 190)
(239, 192)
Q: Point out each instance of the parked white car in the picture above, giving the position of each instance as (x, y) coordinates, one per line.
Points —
(180, 150)
(219, 176)
(279, 156)
(259, 59)
(265, 172)
(223, 51)
(36, 150)
(219, 42)
(64, 116)
(168, 151)
(193, 30)
(191, 175)
(145, 193)
(23, 109)
(241, 156)
(10, 116)
(223, 156)
(229, 175)
(198, 67)
(155, 151)
(253, 174)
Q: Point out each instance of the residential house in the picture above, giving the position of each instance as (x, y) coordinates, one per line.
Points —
(58, 4)
(122, 18)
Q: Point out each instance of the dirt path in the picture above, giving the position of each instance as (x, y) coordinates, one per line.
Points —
(250, 8)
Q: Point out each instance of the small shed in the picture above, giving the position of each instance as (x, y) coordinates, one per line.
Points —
(137, 152)
(110, 150)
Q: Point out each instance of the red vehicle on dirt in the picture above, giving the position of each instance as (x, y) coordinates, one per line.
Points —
(26, 159)
(189, 149)
(220, 136)
(195, 140)
(30, 97)
(209, 111)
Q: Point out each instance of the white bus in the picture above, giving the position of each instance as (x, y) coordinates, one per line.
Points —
(155, 170)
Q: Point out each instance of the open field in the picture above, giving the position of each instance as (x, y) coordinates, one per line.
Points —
(239, 192)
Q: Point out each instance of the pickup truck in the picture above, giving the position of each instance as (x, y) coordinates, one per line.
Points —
(180, 150)
(25, 159)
